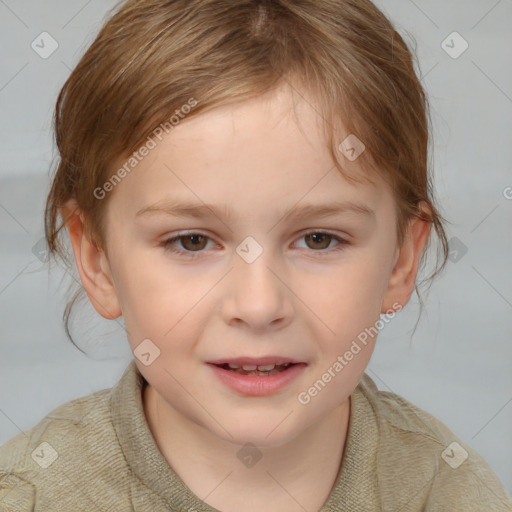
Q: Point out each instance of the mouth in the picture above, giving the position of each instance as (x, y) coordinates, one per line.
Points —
(257, 377)
(260, 370)
(265, 366)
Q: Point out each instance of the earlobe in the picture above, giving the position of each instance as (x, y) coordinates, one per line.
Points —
(403, 277)
(92, 265)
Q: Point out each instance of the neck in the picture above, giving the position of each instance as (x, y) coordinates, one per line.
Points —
(299, 473)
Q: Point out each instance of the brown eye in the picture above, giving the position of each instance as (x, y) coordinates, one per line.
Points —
(193, 242)
(319, 240)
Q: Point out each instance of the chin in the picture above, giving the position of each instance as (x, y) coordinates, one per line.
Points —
(262, 435)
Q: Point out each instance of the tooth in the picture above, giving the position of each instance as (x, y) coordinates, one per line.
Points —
(233, 366)
(249, 368)
(266, 368)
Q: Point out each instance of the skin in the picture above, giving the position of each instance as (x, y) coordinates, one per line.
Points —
(300, 298)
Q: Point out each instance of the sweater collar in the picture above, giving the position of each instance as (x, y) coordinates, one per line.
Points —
(354, 487)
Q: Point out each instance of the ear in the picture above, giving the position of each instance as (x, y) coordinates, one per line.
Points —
(403, 277)
(92, 264)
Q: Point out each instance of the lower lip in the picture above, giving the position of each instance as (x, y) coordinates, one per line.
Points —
(255, 385)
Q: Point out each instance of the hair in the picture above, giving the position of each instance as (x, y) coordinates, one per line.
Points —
(151, 57)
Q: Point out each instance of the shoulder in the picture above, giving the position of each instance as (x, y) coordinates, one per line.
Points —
(423, 460)
(36, 457)
(16, 493)
(78, 417)
(397, 415)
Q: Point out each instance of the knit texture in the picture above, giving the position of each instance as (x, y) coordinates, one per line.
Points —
(96, 453)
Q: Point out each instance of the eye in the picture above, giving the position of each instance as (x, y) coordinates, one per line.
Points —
(320, 240)
(193, 243)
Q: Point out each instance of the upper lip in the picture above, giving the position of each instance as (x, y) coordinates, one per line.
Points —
(257, 361)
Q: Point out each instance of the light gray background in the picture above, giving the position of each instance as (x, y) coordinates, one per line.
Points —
(458, 364)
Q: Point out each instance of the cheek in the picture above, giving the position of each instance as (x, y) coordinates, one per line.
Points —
(157, 296)
(349, 296)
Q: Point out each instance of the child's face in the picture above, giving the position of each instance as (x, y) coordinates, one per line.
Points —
(301, 298)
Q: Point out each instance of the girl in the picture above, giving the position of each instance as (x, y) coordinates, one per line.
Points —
(247, 185)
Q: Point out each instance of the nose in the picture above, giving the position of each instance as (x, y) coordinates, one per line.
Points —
(256, 294)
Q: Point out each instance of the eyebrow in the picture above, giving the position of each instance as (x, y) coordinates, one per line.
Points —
(201, 211)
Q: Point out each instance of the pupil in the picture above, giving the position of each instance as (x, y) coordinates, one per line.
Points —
(317, 236)
(194, 239)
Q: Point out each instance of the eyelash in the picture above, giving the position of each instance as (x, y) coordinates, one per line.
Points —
(167, 244)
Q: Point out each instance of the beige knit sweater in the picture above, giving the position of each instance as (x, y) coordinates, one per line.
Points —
(96, 453)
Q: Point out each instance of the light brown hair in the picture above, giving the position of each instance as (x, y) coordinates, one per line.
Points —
(152, 56)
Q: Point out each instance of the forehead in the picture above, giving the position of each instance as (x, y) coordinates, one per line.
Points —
(268, 150)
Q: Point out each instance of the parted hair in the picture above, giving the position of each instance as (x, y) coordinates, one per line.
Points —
(152, 56)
